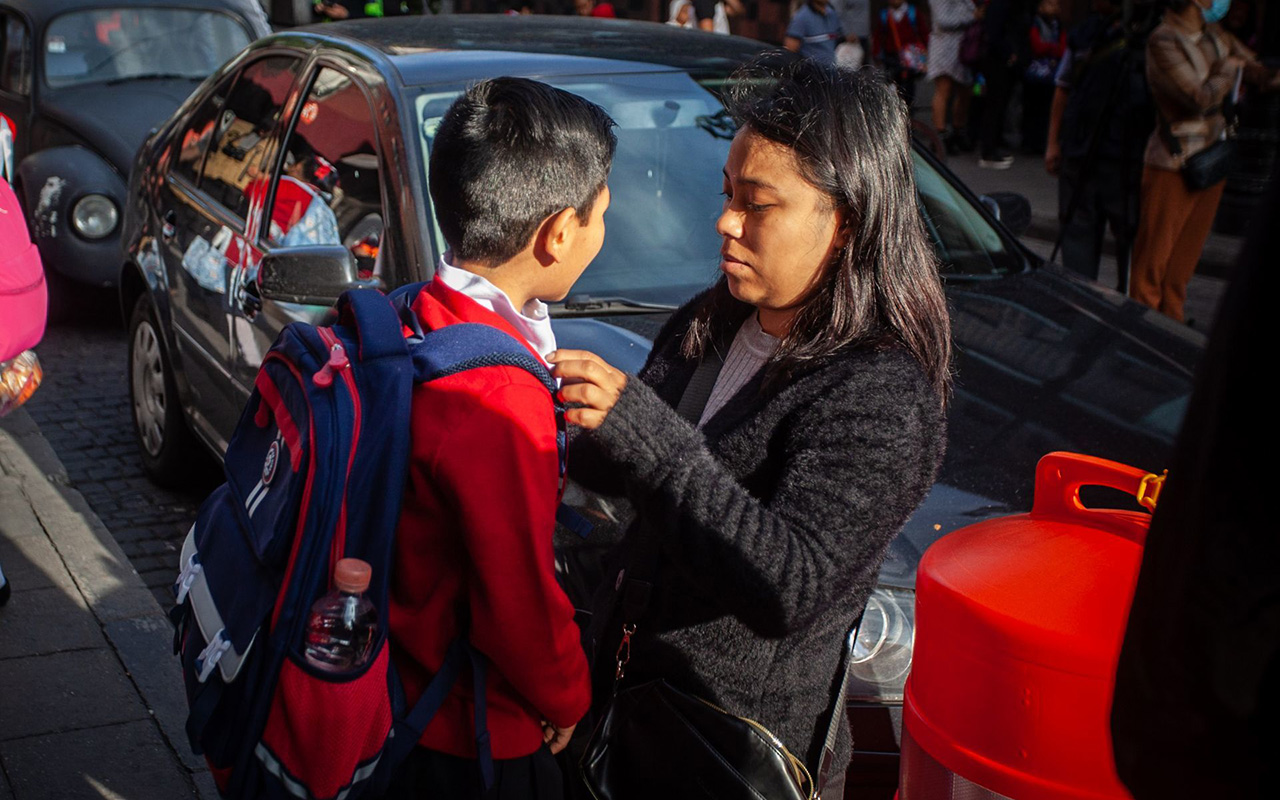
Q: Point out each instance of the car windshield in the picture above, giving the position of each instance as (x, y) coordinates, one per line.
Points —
(130, 43)
(673, 137)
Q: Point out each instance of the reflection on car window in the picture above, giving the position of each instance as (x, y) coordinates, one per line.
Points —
(194, 140)
(329, 190)
(661, 245)
(15, 55)
(966, 242)
(122, 43)
(242, 128)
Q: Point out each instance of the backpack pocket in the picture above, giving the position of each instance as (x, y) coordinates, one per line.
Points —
(330, 727)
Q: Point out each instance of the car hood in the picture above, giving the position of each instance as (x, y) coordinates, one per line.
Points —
(115, 120)
(1044, 361)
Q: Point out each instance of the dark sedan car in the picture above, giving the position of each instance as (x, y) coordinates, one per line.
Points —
(319, 139)
(81, 84)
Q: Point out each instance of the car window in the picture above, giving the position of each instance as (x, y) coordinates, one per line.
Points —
(194, 140)
(128, 43)
(329, 190)
(966, 243)
(15, 55)
(242, 130)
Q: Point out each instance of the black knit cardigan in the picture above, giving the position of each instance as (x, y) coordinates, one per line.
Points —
(774, 519)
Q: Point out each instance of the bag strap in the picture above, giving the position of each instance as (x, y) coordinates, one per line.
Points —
(407, 731)
(837, 710)
(377, 325)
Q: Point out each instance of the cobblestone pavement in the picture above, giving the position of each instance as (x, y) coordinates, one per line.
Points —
(82, 408)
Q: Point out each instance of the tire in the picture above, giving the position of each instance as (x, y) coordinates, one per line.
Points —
(170, 454)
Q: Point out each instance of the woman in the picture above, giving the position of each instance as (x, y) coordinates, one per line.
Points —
(822, 431)
(951, 79)
(1192, 68)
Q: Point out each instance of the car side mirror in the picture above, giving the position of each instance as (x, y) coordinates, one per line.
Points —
(1010, 208)
(313, 275)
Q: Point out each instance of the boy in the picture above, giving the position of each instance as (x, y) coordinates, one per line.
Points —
(517, 177)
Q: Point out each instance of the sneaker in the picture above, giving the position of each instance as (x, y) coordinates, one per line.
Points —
(4, 592)
(998, 160)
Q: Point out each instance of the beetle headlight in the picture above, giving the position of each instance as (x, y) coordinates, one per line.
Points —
(95, 216)
(882, 652)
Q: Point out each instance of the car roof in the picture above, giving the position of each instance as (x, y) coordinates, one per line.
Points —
(458, 47)
(40, 10)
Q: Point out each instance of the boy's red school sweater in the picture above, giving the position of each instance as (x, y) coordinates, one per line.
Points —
(474, 539)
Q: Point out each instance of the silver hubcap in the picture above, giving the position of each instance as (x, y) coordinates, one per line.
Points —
(149, 401)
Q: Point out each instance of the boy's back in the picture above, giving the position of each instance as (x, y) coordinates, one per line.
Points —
(517, 177)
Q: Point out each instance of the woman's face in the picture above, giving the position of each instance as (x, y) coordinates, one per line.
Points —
(779, 231)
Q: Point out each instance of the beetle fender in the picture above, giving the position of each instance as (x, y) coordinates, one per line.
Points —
(52, 182)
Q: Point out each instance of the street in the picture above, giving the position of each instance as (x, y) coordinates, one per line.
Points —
(82, 409)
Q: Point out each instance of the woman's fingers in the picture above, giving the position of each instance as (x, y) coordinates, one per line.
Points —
(569, 356)
(596, 372)
(588, 418)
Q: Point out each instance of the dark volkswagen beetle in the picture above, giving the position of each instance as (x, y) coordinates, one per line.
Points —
(299, 169)
(81, 84)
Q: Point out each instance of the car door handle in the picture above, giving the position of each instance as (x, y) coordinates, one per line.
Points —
(170, 224)
(250, 299)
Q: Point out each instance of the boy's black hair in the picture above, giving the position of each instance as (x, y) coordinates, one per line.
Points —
(509, 153)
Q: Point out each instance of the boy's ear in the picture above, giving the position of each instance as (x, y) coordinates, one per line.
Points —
(554, 238)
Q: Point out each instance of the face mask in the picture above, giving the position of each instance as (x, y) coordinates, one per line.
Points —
(1216, 12)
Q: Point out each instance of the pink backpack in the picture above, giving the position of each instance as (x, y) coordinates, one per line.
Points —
(23, 295)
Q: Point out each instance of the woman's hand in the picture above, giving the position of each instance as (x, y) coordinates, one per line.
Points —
(589, 383)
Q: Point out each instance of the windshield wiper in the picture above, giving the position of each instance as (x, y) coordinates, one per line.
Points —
(157, 76)
(719, 124)
(587, 304)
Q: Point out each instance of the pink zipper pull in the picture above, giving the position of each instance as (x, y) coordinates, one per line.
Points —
(337, 361)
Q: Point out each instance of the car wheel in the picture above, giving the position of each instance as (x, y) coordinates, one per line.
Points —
(170, 454)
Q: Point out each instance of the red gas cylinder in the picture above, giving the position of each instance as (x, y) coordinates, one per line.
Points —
(1019, 622)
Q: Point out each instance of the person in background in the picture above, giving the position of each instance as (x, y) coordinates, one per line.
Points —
(1193, 66)
(855, 16)
(590, 8)
(680, 13)
(24, 301)
(1098, 126)
(951, 79)
(814, 32)
(1047, 41)
(1005, 30)
(900, 44)
(714, 15)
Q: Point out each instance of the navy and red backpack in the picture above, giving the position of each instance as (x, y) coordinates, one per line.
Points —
(315, 472)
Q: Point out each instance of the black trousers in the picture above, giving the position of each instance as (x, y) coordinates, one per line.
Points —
(995, 103)
(1106, 195)
(430, 775)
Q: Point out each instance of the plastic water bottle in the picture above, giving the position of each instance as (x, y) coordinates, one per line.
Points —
(343, 623)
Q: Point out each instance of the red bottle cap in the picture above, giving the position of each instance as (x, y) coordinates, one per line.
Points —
(351, 575)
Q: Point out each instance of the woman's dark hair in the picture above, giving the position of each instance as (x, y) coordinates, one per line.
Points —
(509, 153)
(849, 132)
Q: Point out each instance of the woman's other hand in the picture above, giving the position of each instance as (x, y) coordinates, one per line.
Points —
(589, 383)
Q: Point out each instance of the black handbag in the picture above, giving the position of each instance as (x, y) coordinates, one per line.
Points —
(656, 741)
(1211, 165)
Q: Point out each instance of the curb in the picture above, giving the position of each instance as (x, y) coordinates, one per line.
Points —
(135, 626)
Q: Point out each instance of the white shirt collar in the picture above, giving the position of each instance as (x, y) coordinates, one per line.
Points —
(533, 322)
